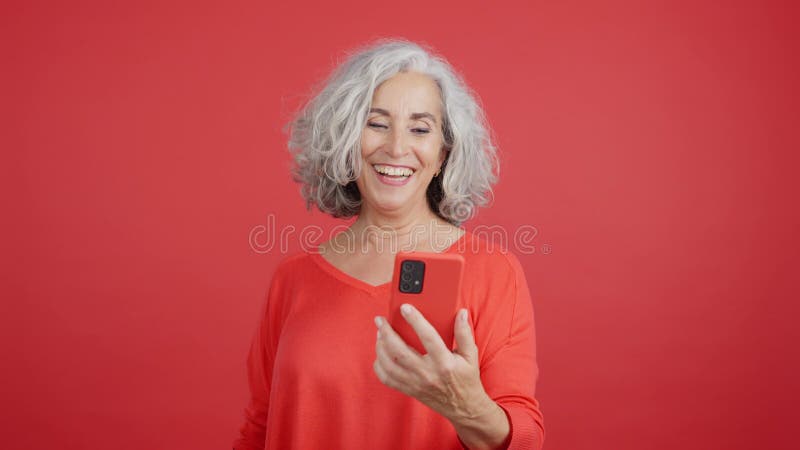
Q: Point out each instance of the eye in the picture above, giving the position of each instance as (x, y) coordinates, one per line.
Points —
(421, 130)
(376, 125)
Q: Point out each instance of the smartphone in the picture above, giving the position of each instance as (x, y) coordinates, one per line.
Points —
(431, 282)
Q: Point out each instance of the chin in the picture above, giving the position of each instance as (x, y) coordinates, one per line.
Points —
(383, 203)
(386, 198)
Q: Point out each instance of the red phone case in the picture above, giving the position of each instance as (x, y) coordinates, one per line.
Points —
(438, 301)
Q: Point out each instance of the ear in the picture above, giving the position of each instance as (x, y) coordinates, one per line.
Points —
(443, 155)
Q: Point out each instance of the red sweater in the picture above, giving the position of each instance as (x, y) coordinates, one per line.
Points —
(310, 363)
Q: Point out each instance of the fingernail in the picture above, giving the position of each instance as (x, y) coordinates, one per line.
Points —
(378, 321)
(405, 309)
(464, 315)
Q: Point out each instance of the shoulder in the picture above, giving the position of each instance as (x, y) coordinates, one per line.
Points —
(287, 277)
(495, 290)
(493, 277)
(291, 266)
(489, 255)
(293, 260)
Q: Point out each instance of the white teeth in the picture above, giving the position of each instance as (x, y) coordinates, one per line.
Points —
(393, 171)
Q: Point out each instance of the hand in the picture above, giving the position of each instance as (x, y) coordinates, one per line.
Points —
(446, 381)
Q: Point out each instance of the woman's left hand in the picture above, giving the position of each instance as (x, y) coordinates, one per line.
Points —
(446, 381)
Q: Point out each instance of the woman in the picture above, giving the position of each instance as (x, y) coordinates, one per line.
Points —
(395, 138)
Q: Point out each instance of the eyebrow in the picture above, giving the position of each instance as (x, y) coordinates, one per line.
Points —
(414, 116)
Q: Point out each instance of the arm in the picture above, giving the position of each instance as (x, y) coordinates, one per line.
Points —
(252, 434)
(510, 371)
(505, 413)
(486, 426)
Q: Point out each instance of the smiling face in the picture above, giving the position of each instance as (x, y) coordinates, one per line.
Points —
(401, 145)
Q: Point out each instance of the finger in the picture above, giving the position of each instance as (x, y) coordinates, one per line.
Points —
(428, 335)
(391, 374)
(389, 364)
(380, 372)
(394, 345)
(465, 340)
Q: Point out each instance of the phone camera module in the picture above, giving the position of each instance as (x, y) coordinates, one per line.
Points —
(412, 277)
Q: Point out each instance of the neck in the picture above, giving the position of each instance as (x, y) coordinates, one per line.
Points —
(408, 231)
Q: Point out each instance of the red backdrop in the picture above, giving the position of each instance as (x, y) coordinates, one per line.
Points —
(652, 145)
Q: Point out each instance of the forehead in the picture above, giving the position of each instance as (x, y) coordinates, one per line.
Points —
(408, 92)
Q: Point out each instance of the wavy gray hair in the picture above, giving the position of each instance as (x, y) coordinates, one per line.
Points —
(325, 134)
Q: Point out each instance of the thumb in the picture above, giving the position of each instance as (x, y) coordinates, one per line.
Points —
(465, 341)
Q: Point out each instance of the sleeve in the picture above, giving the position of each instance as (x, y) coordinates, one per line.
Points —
(252, 433)
(510, 371)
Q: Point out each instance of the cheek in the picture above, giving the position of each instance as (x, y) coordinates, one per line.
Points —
(369, 143)
(429, 154)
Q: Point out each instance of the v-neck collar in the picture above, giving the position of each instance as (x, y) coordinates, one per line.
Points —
(360, 284)
(346, 278)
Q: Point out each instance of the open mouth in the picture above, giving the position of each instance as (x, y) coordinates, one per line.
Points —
(393, 175)
(393, 172)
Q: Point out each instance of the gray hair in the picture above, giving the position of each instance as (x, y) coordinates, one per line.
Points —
(325, 134)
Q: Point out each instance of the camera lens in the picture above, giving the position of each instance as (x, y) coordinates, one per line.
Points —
(407, 267)
(406, 276)
(405, 287)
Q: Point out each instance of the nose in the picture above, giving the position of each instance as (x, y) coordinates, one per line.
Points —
(396, 147)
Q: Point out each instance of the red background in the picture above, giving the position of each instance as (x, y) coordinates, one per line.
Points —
(653, 145)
